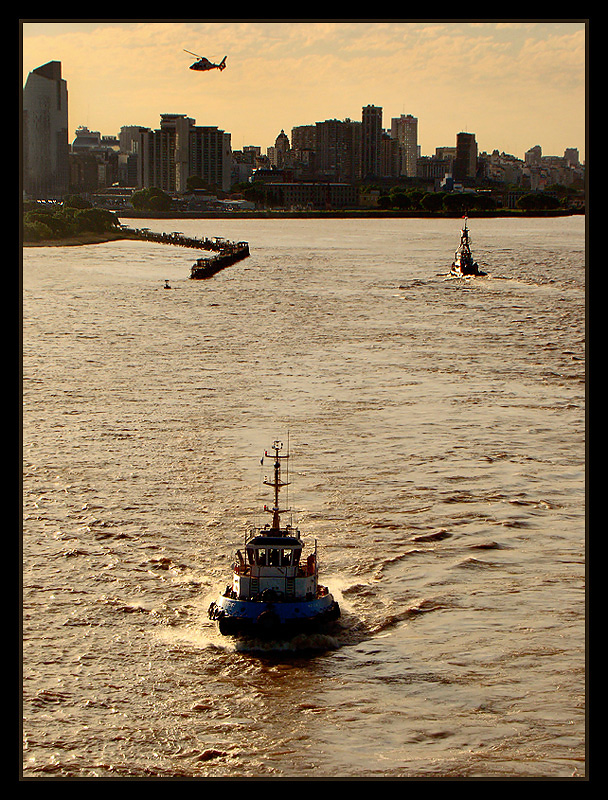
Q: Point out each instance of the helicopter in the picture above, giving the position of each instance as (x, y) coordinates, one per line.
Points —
(203, 64)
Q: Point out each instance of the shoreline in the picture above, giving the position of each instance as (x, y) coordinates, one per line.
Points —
(84, 238)
(346, 214)
(113, 236)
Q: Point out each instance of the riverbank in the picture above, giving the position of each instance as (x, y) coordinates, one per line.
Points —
(347, 214)
(83, 238)
(130, 233)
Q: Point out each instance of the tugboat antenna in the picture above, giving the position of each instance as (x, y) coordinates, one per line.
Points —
(276, 484)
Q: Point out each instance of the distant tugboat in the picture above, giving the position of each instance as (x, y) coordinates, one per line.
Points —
(463, 263)
(274, 592)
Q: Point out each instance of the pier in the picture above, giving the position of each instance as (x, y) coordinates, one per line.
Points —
(226, 252)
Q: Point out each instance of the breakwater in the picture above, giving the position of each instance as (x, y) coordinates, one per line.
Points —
(226, 252)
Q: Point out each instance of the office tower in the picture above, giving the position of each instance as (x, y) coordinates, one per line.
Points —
(465, 163)
(45, 133)
(180, 150)
(405, 130)
(371, 137)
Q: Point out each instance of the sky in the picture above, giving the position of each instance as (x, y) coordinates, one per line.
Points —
(513, 83)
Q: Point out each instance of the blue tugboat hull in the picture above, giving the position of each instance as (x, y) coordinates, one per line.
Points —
(273, 618)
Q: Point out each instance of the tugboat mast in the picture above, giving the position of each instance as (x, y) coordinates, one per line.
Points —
(276, 484)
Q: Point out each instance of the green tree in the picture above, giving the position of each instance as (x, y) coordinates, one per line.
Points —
(415, 197)
(56, 221)
(432, 201)
(152, 199)
(459, 202)
(76, 201)
(35, 231)
(484, 201)
(537, 201)
(97, 220)
(401, 200)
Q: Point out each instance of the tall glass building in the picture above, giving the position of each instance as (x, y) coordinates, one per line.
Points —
(45, 133)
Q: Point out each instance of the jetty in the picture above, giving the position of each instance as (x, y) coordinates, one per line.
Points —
(226, 252)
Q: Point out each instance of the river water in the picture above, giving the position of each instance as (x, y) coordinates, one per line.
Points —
(436, 430)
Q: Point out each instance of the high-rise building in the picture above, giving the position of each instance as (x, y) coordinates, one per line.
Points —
(465, 163)
(390, 156)
(405, 130)
(180, 150)
(533, 156)
(129, 138)
(338, 150)
(371, 138)
(304, 137)
(45, 133)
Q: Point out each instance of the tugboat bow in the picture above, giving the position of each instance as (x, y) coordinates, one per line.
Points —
(464, 263)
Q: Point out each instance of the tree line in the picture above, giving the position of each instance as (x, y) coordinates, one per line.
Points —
(75, 216)
(419, 200)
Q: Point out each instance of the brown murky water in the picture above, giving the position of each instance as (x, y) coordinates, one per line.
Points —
(436, 430)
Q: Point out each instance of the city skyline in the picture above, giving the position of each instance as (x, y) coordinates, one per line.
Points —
(515, 84)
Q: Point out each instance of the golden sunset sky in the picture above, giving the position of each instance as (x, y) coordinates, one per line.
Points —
(515, 84)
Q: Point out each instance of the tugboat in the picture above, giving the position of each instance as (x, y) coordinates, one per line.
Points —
(463, 263)
(274, 591)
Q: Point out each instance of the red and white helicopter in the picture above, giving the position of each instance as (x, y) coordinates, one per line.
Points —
(203, 64)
